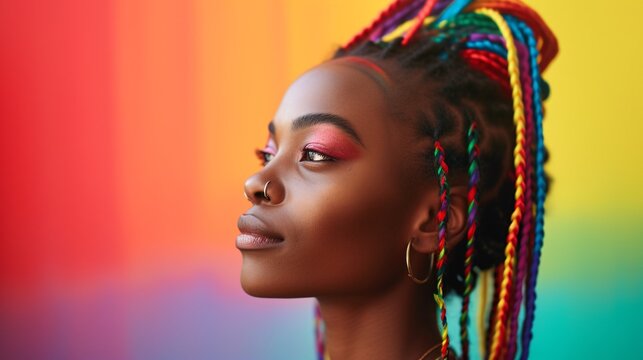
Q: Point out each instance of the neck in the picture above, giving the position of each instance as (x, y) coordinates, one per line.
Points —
(397, 324)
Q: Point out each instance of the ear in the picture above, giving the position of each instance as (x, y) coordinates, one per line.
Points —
(425, 222)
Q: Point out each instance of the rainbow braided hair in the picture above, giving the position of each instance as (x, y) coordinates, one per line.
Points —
(472, 200)
(319, 334)
(442, 170)
(509, 43)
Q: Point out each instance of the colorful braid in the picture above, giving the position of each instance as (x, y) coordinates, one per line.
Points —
(497, 282)
(482, 310)
(389, 12)
(541, 190)
(472, 212)
(531, 18)
(319, 334)
(442, 169)
(509, 43)
(526, 231)
(453, 9)
(490, 64)
(503, 306)
(401, 17)
(424, 12)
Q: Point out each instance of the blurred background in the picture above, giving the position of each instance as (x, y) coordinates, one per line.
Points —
(127, 128)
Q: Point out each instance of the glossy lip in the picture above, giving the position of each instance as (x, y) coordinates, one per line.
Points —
(256, 234)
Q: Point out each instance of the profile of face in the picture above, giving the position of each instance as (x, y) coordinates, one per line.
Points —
(343, 190)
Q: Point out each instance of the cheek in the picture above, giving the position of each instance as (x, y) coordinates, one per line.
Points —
(351, 235)
(345, 235)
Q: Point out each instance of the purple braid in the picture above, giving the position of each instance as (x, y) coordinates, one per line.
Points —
(526, 228)
(541, 192)
(395, 21)
(472, 212)
(442, 170)
(319, 334)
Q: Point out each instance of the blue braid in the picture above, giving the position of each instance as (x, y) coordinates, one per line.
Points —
(487, 46)
(454, 9)
(541, 187)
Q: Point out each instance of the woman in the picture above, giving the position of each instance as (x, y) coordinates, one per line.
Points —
(401, 169)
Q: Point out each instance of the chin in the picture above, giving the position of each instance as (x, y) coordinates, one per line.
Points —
(255, 287)
(263, 289)
(259, 284)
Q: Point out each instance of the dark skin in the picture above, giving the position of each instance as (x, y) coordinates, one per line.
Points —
(344, 200)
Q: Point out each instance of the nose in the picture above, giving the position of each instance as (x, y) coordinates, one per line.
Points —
(261, 189)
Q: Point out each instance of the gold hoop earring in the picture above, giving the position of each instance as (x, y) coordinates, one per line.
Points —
(265, 191)
(410, 270)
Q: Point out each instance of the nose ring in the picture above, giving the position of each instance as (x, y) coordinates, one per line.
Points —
(265, 191)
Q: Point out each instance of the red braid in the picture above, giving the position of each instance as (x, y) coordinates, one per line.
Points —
(493, 65)
(531, 18)
(386, 14)
(426, 10)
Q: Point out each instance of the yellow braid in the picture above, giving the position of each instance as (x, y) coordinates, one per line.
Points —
(482, 310)
(404, 27)
(499, 333)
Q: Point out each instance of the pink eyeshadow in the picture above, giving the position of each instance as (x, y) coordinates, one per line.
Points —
(270, 147)
(333, 142)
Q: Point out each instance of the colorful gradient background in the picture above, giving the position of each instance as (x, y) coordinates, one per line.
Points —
(127, 128)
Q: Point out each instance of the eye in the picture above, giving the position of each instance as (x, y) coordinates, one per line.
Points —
(315, 156)
(264, 156)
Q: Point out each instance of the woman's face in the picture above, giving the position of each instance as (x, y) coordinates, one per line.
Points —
(341, 191)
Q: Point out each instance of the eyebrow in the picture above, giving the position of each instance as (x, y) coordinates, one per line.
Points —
(312, 119)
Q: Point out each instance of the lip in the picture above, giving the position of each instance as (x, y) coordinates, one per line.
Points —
(256, 234)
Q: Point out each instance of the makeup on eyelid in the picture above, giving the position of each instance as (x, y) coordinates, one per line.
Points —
(270, 147)
(325, 139)
(329, 140)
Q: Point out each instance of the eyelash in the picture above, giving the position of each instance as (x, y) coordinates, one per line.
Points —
(306, 155)
(264, 156)
(323, 157)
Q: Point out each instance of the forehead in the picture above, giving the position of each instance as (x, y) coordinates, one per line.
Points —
(344, 87)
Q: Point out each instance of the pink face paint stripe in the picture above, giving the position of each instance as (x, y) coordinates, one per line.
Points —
(381, 77)
(367, 63)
